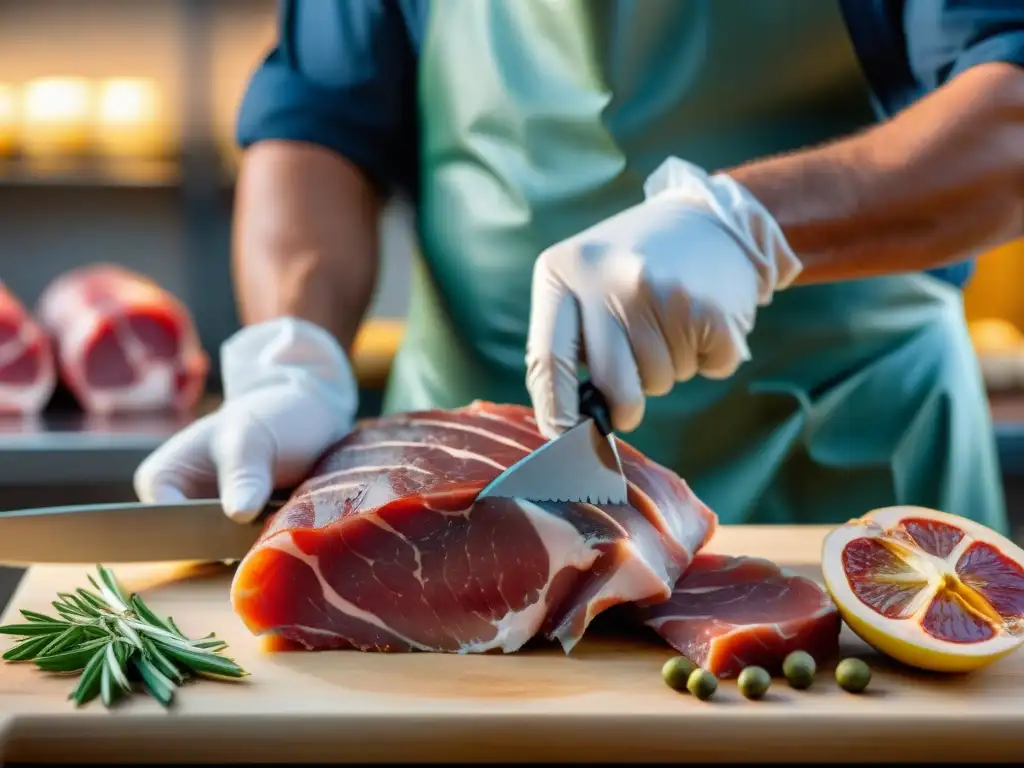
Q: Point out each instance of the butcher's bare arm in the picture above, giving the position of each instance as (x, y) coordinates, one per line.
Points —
(305, 240)
(941, 181)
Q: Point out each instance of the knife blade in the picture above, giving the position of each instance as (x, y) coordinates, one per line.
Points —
(131, 532)
(582, 464)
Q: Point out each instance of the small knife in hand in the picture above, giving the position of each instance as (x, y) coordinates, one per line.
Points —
(581, 465)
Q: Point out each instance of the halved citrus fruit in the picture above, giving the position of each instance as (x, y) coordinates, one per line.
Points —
(933, 590)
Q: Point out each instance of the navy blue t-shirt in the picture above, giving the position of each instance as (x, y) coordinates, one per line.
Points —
(343, 74)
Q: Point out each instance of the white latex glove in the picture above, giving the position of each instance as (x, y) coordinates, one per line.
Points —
(289, 393)
(655, 295)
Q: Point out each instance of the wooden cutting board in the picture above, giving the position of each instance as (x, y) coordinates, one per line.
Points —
(604, 702)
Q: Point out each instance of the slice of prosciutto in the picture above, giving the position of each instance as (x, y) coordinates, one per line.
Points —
(727, 613)
(386, 547)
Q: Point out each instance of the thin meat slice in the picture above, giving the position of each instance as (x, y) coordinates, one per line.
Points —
(28, 374)
(386, 547)
(727, 613)
(124, 344)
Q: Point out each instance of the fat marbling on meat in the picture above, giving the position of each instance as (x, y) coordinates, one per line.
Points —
(727, 613)
(385, 548)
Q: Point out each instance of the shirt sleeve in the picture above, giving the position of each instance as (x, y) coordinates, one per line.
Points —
(341, 76)
(909, 48)
(947, 37)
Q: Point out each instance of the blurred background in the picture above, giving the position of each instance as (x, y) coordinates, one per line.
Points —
(116, 146)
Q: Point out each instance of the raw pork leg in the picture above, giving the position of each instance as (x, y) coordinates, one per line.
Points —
(28, 374)
(124, 344)
(386, 548)
(727, 613)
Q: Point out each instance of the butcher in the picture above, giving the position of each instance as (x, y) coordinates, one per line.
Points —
(748, 223)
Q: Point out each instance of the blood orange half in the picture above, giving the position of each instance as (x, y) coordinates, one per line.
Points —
(930, 589)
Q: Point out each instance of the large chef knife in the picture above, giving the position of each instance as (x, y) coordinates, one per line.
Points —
(130, 532)
(582, 464)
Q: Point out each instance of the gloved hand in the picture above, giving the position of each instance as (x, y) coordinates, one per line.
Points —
(655, 295)
(289, 393)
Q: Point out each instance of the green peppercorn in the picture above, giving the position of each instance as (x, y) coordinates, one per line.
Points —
(754, 682)
(853, 675)
(702, 684)
(676, 671)
(799, 668)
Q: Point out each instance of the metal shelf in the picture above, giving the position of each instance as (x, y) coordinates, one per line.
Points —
(86, 173)
(90, 173)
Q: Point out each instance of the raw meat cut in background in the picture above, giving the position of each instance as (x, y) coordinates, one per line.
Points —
(124, 344)
(386, 548)
(727, 613)
(28, 373)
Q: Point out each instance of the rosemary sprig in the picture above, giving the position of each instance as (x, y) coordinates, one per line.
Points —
(114, 640)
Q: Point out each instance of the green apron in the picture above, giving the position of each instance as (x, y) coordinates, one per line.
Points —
(542, 117)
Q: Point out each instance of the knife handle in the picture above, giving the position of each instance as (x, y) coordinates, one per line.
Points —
(278, 499)
(594, 406)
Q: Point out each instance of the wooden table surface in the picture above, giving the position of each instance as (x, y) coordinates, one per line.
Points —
(604, 702)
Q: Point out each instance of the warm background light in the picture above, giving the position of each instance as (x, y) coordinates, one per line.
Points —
(994, 291)
(129, 121)
(55, 116)
(8, 119)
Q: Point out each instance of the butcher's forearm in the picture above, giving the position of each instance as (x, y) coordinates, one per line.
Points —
(939, 182)
(305, 238)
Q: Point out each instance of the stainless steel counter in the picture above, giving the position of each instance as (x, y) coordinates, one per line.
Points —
(72, 449)
(66, 448)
